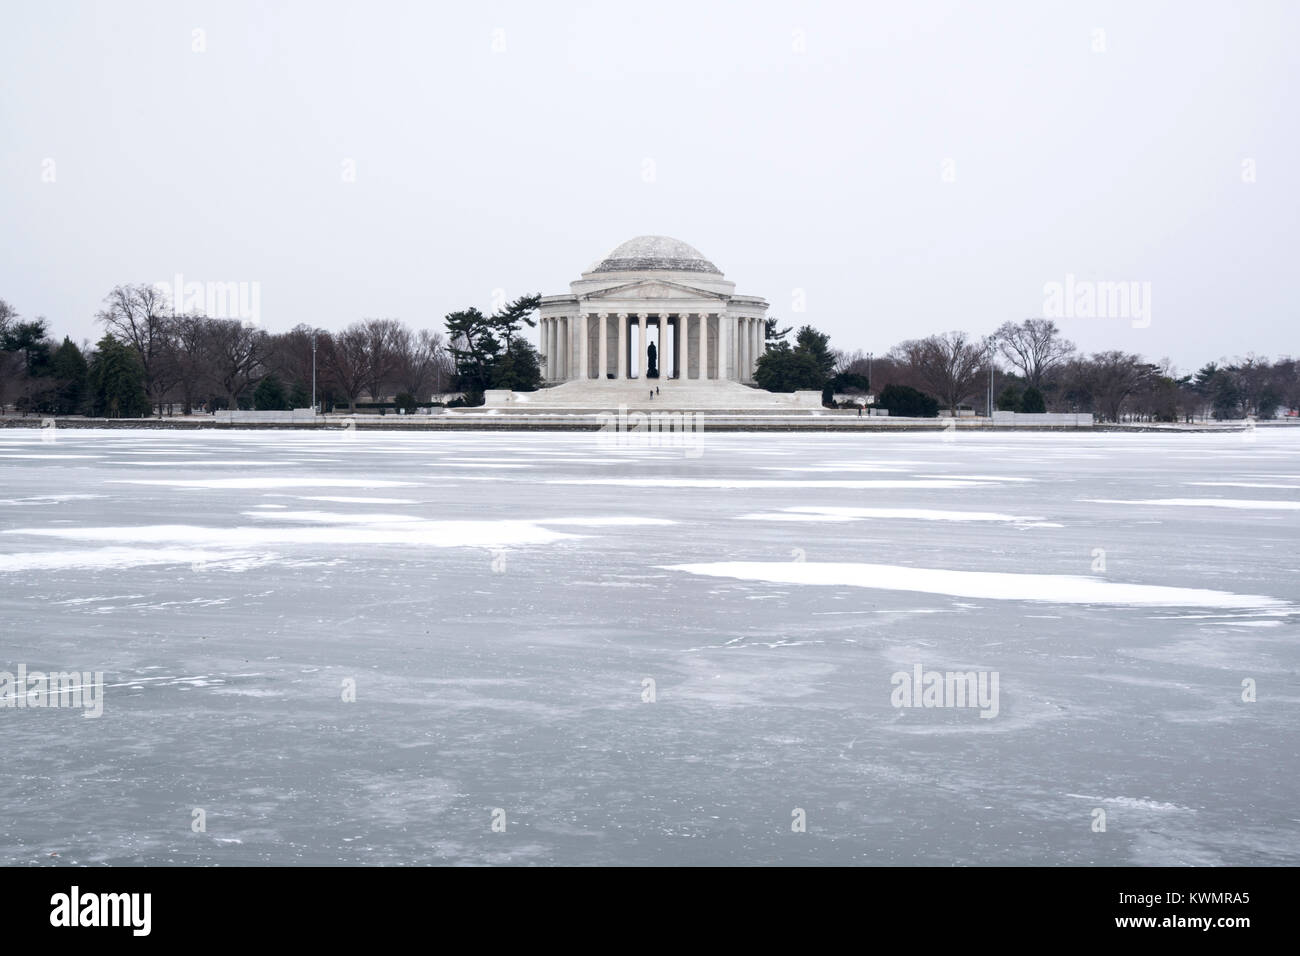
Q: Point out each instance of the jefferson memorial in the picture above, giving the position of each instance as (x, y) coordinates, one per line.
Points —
(653, 324)
(653, 309)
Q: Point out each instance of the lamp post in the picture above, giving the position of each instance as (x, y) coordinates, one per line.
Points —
(990, 349)
(313, 372)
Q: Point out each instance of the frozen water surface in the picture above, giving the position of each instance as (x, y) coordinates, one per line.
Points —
(502, 600)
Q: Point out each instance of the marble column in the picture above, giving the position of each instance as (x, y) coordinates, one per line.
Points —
(749, 347)
(641, 344)
(556, 373)
(704, 345)
(558, 334)
(740, 347)
(724, 346)
(562, 347)
(548, 346)
(620, 366)
(665, 360)
(584, 365)
(544, 347)
(571, 347)
(752, 355)
(602, 343)
(669, 361)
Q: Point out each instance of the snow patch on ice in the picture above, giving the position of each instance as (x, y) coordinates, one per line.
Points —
(1241, 484)
(1246, 503)
(1134, 803)
(612, 521)
(991, 585)
(328, 517)
(820, 513)
(414, 533)
(344, 500)
(979, 477)
(218, 483)
(765, 483)
(45, 499)
(116, 558)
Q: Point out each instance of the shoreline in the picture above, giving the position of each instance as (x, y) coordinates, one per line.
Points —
(592, 422)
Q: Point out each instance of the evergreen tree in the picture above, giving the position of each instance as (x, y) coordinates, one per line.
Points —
(269, 396)
(907, 402)
(69, 370)
(848, 382)
(809, 365)
(817, 345)
(473, 348)
(506, 323)
(1032, 402)
(116, 381)
(773, 336)
(299, 395)
(488, 351)
(788, 370)
(519, 367)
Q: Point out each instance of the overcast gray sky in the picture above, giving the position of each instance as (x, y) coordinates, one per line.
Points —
(911, 167)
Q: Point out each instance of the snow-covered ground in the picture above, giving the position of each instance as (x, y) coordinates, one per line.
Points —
(506, 606)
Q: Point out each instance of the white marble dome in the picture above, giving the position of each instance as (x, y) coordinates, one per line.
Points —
(655, 254)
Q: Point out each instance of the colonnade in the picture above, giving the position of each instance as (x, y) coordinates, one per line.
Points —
(707, 345)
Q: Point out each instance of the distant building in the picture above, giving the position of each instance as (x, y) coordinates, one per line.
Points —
(655, 309)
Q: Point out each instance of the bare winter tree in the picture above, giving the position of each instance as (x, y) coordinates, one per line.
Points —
(1287, 378)
(290, 354)
(444, 366)
(1034, 347)
(851, 363)
(7, 315)
(1254, 376)
(190, 354)
(950, 366)
(418, 361)
(236, 352)
(347, 358)
(383, 345)
(1109, 379)
(140, 316)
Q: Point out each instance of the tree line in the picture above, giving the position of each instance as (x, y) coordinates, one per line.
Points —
(151, 360)
(1032, 368)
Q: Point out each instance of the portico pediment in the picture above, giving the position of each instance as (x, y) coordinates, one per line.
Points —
(655, 289)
